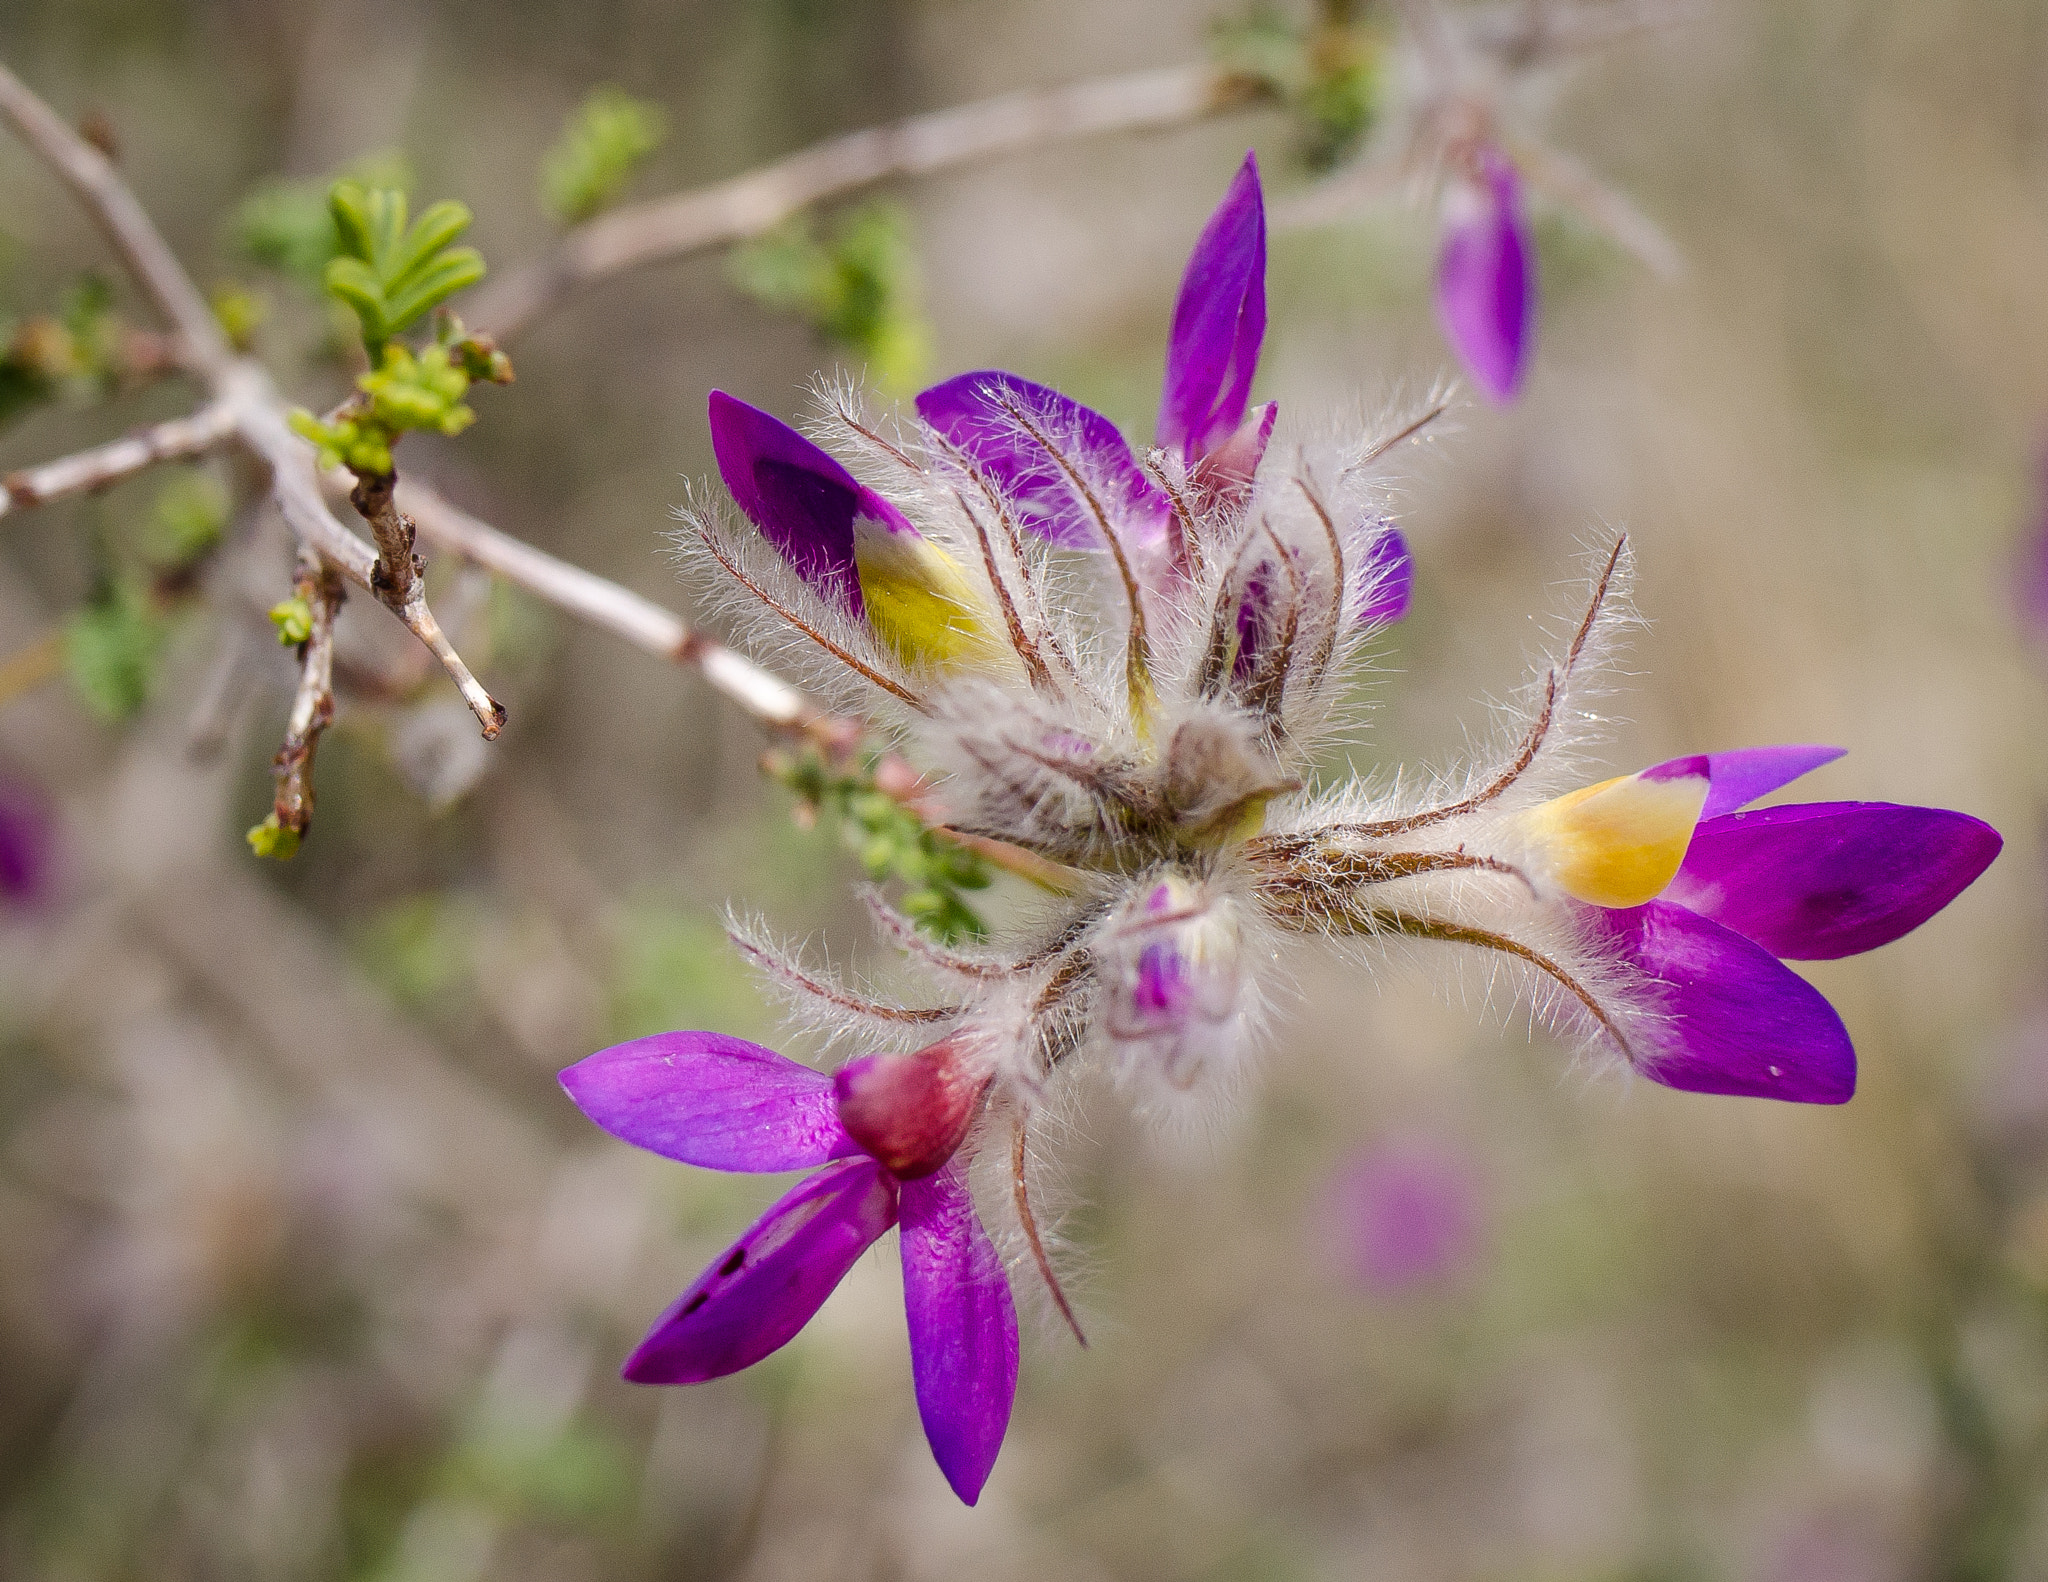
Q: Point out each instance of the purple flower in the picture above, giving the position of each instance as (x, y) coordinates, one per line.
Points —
(1407, 1215)
(804, 502)
(1175, 981)
(846, 544)
(1207, 425)
(1803, 882)
(1486, 275)
(27, 846)
(883, 1139)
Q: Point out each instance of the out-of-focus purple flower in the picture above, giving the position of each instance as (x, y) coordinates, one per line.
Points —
(1803, 882)
(883, 1139)
(1407, 1214)
(1486, 274)
(27, 845)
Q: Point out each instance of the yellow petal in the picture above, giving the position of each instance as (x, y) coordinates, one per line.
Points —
(1618, 843)
(920, 604)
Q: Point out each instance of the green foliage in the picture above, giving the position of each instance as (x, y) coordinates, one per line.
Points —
(1327, 74)
(111, 649)
(75, 353)
(391, 273)
(858, 286)
(404, 393)
(673, 967)
(190, 514)
(240, 313)
(575, 1475)
(892, 842)
(293, 619)
(600, 147)
(288, 226)
(417, 950)
(273, 840)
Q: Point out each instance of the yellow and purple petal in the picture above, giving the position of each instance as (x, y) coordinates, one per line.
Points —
(804, 502)
(1219, 322)
(706, 1099)
(1816, 881)
(766, 1286)
(920, 603)
(1731, 1017)
(1618, 843)
(1486, 275)
(963, 1328)
(976, 414)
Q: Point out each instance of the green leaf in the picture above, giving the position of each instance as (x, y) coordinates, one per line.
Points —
(111, 651)
(600, 147)
(426, 289)
(392, 275)
(356, 284)
(293, 619)
(858, 287)
(272, 839)
(434, 230)
(190, 515)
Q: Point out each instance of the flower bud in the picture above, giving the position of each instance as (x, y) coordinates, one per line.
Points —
(910, 1112)
(1174, 979)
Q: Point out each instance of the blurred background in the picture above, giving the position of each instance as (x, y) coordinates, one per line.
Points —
(308, 1270)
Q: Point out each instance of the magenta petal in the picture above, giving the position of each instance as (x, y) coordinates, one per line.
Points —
(1486, 277)
(1224, 476)
(710, 1100)
(1388, 578)
(963, 1328)
(803, 501)
(1741, 776)
(1734, 1018)
(1218, 323)
(769, 1283)
(1819, 880)
(969, 412)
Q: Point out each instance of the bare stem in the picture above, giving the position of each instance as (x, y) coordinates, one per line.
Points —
(98, 185)
(25, 669)
(239, 385)
(175, 439)
(1022, 1196)
(313, 704)
(747, 205)
(398, 568)
(620, 611)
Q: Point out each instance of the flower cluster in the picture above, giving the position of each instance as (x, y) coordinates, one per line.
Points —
(1127, 664)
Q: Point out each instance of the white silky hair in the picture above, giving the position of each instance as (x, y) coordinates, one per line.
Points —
(1188, 759)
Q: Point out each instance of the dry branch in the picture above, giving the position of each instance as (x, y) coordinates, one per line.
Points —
(745, 206)
(624, 613)
(239, 385)
(176, 439)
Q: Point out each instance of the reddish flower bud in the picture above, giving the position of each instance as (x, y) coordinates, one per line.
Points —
(910, 1112)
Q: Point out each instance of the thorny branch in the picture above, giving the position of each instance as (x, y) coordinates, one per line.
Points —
(313, 704)
(239, 385)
